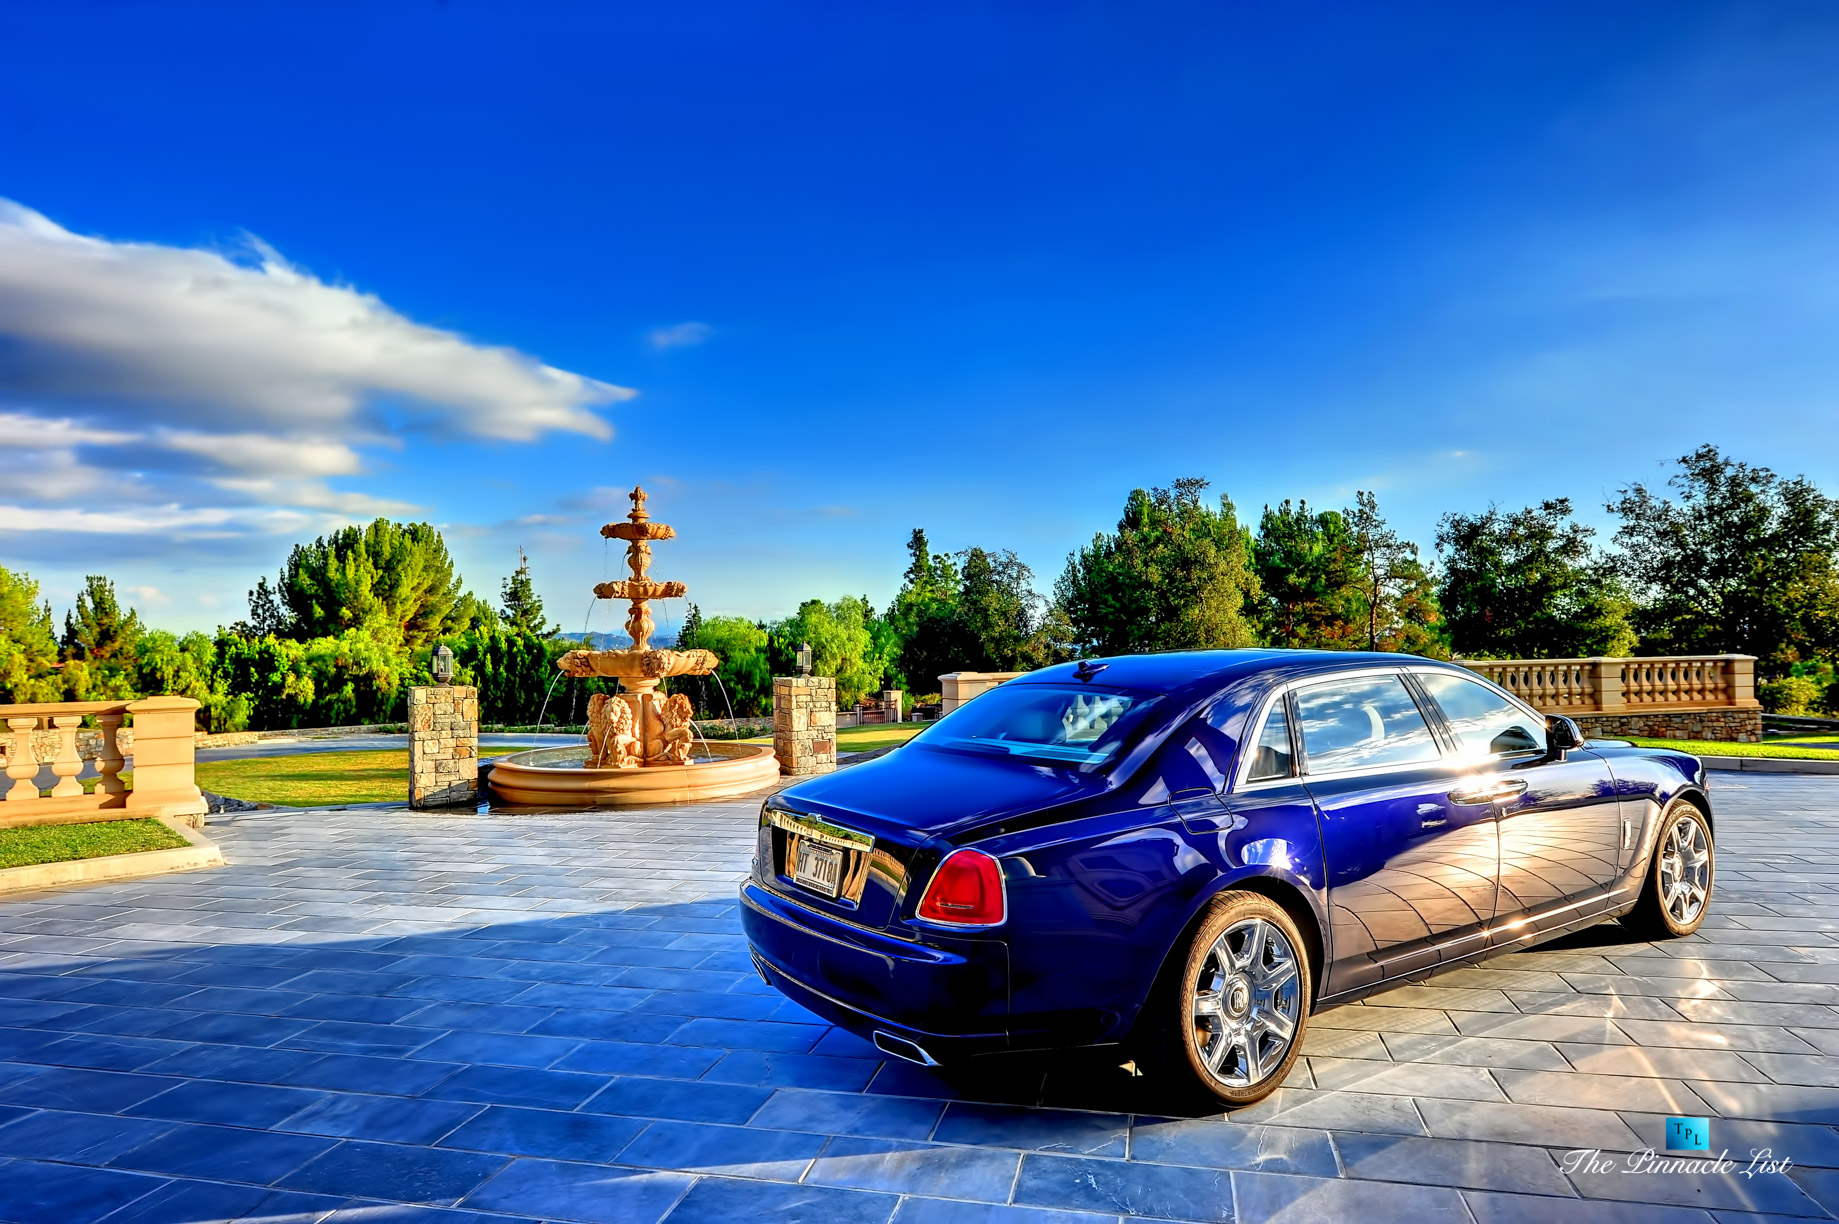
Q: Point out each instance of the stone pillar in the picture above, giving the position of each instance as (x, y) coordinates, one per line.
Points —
(164, 753)
(804, 724)
(1606, 683)
(443, 746)
(890, 702)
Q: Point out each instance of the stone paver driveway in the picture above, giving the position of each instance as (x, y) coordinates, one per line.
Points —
(380, 1016)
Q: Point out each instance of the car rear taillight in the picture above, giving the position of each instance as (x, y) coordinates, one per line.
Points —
(966, 890)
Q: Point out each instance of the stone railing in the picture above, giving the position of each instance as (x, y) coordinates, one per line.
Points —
(1711, 697)
(956, 688)
(163, 783)
(1620, 686)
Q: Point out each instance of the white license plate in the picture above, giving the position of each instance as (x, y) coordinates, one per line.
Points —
(818, 868)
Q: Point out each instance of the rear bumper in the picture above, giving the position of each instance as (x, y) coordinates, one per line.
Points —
(950, 996)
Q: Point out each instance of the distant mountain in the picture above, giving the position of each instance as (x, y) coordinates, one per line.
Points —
(600, 641)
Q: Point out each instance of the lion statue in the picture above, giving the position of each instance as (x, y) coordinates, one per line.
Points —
(610, 741)
(678, 734)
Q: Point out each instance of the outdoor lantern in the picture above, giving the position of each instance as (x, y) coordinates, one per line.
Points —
(804, 659)
(443, 664)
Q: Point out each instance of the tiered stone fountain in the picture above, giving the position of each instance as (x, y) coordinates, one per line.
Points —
(640, 749)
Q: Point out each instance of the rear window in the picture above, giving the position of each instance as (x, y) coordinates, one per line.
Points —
(1074, 726)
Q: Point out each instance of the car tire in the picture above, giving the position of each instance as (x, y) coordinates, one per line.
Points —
(1676, 894)
(1231, 1024)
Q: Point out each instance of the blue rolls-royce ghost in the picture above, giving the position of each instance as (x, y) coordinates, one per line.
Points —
(1185, 854)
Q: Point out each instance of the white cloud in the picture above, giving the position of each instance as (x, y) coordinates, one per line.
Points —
(680, 335)
(162, 390)
(23, 431)
(148, 594)
(138, 521)
(224, 345)
(267, 453)
(315, 495)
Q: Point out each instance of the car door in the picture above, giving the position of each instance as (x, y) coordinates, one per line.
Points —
(1559, 814)
(1266, 817)
(1411, 872)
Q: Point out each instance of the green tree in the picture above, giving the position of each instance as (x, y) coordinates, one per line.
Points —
(268, 614)
(523, 607)
(841, 646)
(924, 617)
(1000, 614)
(1529, 585)
(190, 666)
(1308, 569)
(98, 631)
(744, 670)
(1738, 561)
(272, 674)
(1395, 600)
(393, 580)
(515, 674)
(1175, 575)
(28, 643)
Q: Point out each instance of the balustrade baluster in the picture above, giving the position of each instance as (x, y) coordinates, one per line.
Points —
(22, 761)
(68, 763)
(109, 761)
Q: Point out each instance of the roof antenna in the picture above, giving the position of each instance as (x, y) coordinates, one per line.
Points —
(1087, 669)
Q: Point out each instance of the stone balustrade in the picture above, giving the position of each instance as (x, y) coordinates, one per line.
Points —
(1616, 686)
(1670, 697)
(163, 779)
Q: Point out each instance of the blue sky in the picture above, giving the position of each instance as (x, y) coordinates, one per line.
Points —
(978, 268)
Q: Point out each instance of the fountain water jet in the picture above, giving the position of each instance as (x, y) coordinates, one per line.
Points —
(639, 748)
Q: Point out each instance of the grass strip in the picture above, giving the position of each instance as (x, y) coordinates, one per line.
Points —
(865, 739)
(35, 844)
(321, 779)
(1724, 748)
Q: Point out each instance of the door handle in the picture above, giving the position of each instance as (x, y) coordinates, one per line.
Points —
(1497, 790)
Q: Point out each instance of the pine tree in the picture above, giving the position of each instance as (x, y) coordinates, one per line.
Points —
(523, 607)
(97, 631)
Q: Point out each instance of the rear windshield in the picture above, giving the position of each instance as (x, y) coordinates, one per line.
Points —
(1076, 726)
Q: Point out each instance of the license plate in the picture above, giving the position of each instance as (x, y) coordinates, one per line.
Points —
(818, 868)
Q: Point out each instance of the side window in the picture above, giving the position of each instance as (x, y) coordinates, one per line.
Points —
(1486, 724)
(1356, 724)
(1271, 755)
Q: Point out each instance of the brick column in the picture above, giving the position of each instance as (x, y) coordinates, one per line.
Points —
(443, 746)
(804, 724)
(891, 701)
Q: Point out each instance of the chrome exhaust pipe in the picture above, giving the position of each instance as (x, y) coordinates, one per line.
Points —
(900, 1047)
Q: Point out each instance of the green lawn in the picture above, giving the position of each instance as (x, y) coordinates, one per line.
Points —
(1728, 749)
(36, 844)
(865, 739)
(320, 779)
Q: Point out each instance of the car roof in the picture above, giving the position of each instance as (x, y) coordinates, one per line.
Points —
(1192, 672)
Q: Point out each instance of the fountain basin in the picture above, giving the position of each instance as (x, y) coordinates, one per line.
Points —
(554, 777)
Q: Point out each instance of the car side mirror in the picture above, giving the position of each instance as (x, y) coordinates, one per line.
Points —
(1562, 735)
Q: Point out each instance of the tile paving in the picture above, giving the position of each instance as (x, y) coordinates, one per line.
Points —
(383, 1016)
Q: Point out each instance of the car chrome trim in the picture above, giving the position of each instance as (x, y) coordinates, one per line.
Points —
(900, 1047)
(819, 830)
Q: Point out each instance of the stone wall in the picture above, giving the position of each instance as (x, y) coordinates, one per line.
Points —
(804, 724)
(1738, 726)
(443, 746)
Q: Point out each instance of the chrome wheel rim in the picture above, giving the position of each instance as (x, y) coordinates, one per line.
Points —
(1685, 871)
(1246, 1003)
